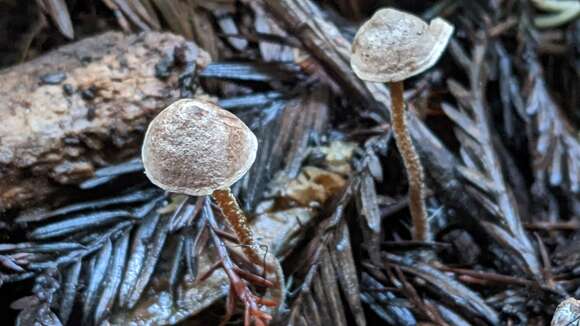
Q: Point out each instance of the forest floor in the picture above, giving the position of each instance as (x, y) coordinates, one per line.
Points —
(85, 238)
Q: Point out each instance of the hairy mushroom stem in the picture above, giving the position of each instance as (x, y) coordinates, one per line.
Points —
(421, 230)
(237, 219)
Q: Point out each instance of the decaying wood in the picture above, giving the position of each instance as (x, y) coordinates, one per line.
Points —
(83, 106)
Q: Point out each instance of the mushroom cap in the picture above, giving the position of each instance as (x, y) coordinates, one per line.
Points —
(394, 45)
(195, 147)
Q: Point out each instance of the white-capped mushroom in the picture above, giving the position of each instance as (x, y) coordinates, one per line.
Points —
(194, 147)
(567, 313)
(391, 47)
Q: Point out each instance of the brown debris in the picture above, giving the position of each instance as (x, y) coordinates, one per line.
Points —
(56, 133)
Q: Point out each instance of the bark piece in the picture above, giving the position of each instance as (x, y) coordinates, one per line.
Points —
(54, 134)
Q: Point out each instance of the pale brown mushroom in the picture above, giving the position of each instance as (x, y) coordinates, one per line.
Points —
(391, 47)
(194, 147)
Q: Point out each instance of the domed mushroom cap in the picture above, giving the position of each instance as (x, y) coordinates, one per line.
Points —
(393, 46)
(195, 147)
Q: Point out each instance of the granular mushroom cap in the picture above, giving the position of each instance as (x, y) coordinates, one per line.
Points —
(394, 45)
(195, 147)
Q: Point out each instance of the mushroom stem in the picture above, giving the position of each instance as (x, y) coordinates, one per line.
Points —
(237, 219)
(412, 164)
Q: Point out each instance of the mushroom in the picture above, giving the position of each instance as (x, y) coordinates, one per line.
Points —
(196, 148)
(391, 47)
(567, 313)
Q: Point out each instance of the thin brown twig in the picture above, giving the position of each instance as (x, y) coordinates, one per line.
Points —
(571, 225)
(238, 286)
(410, 292)
(490, 277)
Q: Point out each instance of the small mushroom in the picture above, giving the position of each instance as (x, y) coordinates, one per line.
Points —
(391, 47)
(196, 148)
(567, 313)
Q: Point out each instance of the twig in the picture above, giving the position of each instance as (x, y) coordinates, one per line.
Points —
(238, 286)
